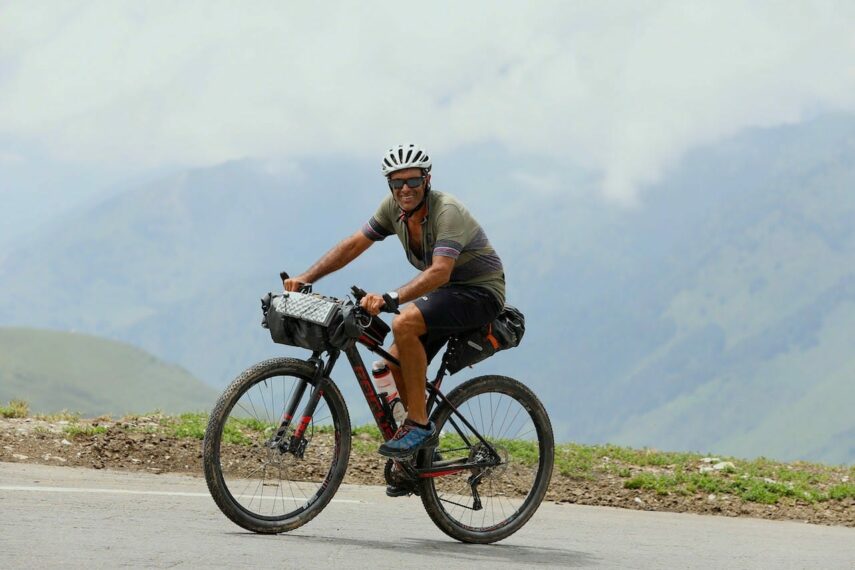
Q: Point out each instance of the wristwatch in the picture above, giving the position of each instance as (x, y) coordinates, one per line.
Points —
(392, 300)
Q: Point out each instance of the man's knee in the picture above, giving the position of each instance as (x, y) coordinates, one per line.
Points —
(409, 324)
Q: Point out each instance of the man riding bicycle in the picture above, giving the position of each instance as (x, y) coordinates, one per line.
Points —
(461, 285)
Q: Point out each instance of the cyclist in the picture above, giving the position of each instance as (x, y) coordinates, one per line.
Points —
(461, 284)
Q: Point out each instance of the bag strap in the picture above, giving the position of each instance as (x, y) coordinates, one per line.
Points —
(493, 340)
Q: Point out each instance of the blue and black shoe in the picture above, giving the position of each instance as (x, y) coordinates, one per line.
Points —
(408, 440)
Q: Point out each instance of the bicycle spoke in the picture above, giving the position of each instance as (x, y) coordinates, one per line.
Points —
(503, 487)
(260, 478)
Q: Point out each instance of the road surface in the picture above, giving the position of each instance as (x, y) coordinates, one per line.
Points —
(62, 516)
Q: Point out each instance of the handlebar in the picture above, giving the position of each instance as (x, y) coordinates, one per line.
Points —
(304, 288)
(357, 292)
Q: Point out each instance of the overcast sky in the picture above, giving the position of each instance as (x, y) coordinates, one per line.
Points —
(620, 88)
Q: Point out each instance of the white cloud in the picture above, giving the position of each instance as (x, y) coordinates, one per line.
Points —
(10, 158)
(622, 88)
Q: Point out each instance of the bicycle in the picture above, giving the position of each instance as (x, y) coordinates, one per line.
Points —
(483, 481)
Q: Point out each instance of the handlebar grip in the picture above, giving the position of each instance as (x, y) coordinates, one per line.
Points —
(304, 288)
(358, 293)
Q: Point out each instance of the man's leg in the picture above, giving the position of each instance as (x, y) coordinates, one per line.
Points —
(397, 375)
(407, 328)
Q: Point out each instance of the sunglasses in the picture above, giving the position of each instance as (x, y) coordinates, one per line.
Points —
(413, 182)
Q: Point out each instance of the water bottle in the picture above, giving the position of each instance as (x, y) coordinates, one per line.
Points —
(385, 383)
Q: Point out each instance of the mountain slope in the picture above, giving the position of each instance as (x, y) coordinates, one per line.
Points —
(56, 370)
(709, 315)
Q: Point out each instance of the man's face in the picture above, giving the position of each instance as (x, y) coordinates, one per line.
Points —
(407, 198)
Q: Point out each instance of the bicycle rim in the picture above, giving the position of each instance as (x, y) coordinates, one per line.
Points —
(511, 419)
(261, 480)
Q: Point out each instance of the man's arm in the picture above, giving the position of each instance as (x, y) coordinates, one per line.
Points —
(431, 278)
(343, 253)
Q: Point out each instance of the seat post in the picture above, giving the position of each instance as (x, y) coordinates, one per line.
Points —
(440, 374)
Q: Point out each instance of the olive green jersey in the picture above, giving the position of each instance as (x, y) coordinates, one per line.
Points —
(448, 230)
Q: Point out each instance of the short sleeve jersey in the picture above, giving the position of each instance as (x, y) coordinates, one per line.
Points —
(448, 230)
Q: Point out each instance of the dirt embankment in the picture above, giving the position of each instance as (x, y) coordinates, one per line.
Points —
(141, 444)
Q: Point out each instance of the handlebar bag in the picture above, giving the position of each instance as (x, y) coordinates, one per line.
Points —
(298, 319)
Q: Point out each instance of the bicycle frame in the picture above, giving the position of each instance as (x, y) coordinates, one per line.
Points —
(379, 407)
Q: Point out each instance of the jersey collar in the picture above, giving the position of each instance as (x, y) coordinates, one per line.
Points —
(402, 217)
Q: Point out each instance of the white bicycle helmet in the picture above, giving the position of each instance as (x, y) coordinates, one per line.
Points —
(405, 156)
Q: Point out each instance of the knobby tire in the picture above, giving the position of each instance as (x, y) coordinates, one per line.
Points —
(446, 509)
(224, 497)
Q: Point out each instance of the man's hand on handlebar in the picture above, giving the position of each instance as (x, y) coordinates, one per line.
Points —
(292, 284)
(373, 304)
(295, 284)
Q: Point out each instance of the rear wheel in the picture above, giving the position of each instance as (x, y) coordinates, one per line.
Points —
(494, 499)
(270, 485)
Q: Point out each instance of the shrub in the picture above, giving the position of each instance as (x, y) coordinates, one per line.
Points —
(15, 409)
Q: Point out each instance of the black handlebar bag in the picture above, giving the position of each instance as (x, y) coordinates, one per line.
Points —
(299, 319)
(316, 322)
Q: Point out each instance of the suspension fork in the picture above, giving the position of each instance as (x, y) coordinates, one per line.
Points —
(297, 441)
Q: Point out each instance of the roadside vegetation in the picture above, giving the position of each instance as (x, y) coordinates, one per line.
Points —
(15, 409)
(674, 475)
(665, 473)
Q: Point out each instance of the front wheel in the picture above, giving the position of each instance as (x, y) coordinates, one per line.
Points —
(263, 482)
(506, 480)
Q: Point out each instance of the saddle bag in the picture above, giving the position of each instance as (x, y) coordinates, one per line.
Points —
(506, 331)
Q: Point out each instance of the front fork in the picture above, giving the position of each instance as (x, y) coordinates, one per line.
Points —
(296, 444)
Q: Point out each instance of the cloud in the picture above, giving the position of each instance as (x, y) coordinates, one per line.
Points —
(621, 88)
(10, 158)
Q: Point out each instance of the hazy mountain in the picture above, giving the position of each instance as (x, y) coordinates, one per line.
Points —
(715, 316)
(54, 370)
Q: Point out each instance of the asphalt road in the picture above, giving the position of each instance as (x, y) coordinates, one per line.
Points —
(62, 516)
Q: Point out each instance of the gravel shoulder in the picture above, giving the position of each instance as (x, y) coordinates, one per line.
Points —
(149, 444)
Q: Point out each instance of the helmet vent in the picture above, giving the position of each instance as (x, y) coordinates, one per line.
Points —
(405, 156)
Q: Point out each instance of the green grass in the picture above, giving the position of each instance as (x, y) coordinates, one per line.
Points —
(84, 430)
(64, 415)
(190, 425)
(242, 431)
(759, 481)
(746, 487)
(15, 409)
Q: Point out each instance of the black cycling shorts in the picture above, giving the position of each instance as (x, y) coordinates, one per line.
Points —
(454, 309)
